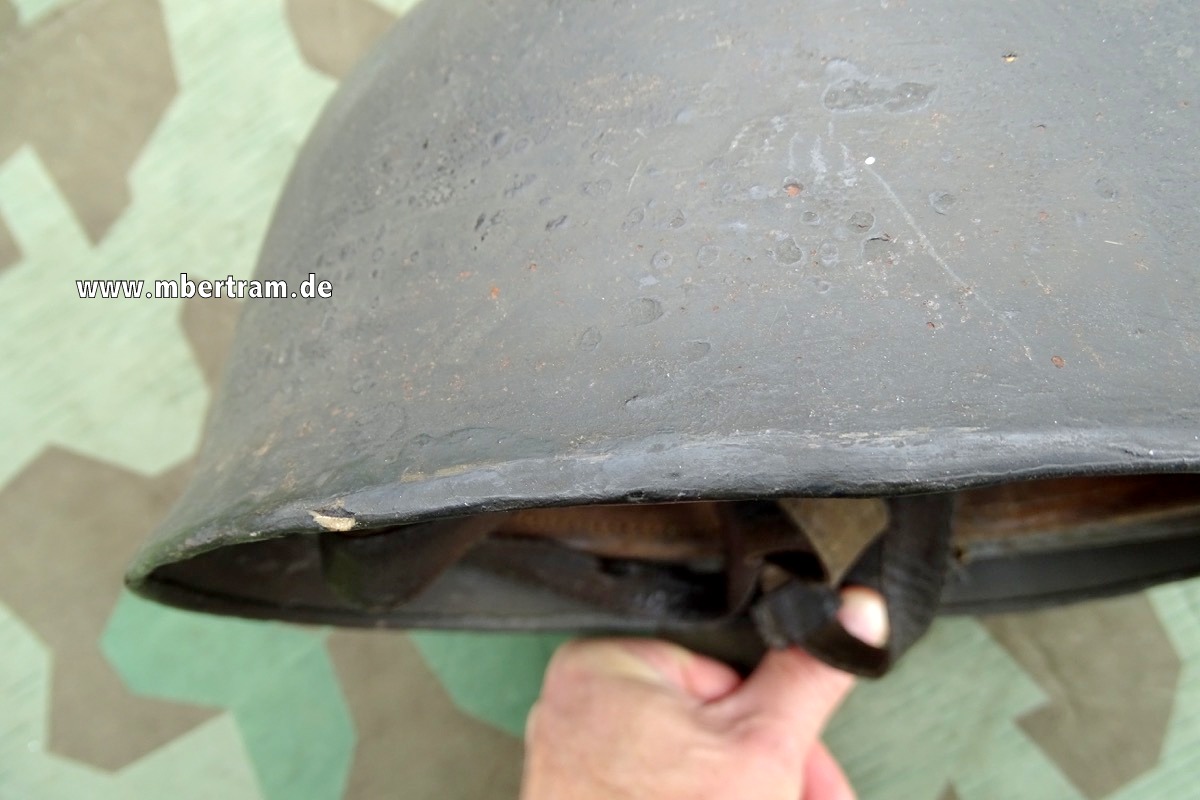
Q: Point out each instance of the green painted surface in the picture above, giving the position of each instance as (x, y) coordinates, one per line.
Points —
(209, 761)
(276, 680)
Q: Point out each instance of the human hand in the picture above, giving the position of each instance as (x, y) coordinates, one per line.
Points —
(639, 718)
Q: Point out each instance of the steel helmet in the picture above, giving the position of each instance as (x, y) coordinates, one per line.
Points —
(676, 317)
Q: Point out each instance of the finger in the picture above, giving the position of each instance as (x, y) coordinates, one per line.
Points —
(800, 691)
(793, 689)
(695, 675)
(531, 724)
(649, 661)
(823, 776)
(864, 615)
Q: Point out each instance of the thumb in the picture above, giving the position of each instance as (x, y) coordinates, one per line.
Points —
(800, 691)
(644, 661)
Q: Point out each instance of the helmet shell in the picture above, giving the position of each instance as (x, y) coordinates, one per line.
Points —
(583, 253)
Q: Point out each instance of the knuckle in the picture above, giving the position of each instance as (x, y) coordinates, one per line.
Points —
(563, 664)
(766, 741)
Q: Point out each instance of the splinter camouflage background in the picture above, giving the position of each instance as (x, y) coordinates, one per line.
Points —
(142, 138)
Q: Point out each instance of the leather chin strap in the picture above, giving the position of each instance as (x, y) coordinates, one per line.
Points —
(906, 563)
(785, 564)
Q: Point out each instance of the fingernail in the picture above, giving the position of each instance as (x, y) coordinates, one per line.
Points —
(864, 615)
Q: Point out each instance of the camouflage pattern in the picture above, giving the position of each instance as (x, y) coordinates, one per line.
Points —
(143, 138)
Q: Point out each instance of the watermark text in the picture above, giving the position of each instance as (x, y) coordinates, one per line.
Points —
(185, 287)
